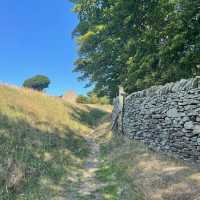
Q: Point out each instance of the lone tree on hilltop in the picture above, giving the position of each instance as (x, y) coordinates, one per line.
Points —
(38, 82)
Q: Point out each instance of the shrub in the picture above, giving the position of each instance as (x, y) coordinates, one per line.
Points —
(82, 99)
(38, 82)
(104, 100)
(93, 99)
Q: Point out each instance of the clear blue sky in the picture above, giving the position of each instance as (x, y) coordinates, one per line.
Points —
(35, 38)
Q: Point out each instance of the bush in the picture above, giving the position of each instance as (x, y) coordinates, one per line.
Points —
(104, 100)
(38, 82)
(82, 99)
(93, 99)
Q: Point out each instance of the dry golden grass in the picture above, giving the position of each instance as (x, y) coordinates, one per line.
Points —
(42, 144)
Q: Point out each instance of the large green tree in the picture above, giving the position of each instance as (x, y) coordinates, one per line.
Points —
(137, 43)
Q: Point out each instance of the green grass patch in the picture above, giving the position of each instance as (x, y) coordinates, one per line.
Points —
(109, 192)
(118, 184)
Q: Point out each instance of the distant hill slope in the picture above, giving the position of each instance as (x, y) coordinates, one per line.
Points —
(70, 96)
(41, 144)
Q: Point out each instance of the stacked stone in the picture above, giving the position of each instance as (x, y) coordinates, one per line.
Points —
(166, 118)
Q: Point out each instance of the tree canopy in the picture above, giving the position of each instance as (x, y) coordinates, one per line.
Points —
(136, 43)
(38, 82)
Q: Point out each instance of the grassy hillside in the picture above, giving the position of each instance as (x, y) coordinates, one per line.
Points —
(54, 150)
(42, 144)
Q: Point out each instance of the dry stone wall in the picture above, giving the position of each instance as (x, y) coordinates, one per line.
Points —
(166, 118)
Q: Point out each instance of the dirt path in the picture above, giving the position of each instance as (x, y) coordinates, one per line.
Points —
(89, 184)
(86, 186)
